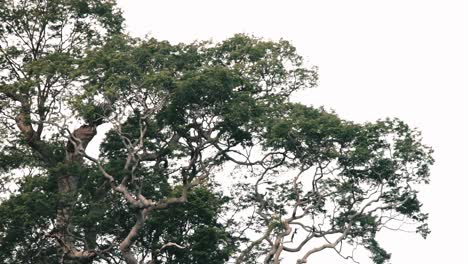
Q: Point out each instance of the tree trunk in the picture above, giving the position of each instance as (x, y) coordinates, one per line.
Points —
(68, 183)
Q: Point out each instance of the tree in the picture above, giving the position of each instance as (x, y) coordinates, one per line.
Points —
(203, 158)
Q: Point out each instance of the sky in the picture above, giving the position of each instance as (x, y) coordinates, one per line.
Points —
(376, 59)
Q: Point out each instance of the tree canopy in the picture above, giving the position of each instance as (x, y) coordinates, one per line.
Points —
(123, 150)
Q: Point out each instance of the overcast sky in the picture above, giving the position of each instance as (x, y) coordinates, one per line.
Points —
(376, 59)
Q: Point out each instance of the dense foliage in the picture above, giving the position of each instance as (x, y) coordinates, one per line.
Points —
(122, 150)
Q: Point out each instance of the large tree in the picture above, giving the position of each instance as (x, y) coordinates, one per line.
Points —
(202, 156)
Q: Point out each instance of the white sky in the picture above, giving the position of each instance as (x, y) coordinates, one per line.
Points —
(377, 59)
